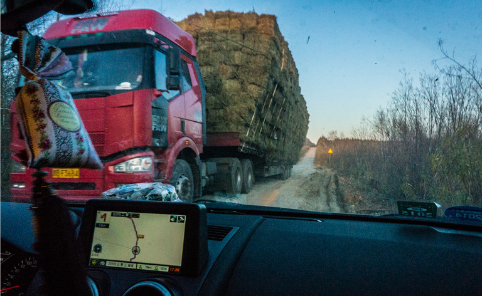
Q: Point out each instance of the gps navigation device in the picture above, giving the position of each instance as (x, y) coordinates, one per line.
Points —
(159, 237)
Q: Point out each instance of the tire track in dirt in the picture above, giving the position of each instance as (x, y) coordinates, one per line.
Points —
(322, 195)
(309, 188)
(331, 194)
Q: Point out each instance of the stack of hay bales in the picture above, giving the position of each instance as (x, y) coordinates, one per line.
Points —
(251, 81)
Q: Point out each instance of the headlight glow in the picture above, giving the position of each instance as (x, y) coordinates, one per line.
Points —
(17, 167)
(135, 165)
(18, 185)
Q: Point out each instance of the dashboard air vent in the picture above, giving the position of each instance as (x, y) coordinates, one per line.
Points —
(218, 233)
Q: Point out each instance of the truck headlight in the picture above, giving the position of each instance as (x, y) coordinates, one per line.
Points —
(135, 165)
(18, 185)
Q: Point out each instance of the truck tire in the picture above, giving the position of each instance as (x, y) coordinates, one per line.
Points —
(236, 177)
(183, 180)
(248, 175)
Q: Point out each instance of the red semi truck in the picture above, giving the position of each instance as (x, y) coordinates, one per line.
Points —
(141, 96)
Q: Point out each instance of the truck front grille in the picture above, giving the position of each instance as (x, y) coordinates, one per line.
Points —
(98, 142)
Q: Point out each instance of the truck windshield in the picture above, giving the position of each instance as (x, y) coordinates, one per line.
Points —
(104, 69)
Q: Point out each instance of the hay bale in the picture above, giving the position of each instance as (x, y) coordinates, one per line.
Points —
(266, 24)
(249, 20)
(232, 87)
(226, 71)
(258, 77)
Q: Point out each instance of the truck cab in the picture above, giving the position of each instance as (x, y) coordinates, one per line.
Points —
(140, 93)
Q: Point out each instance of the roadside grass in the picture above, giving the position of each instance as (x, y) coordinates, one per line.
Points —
(426, 145)
(373, 179)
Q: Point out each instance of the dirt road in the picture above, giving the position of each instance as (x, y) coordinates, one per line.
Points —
(309, 188)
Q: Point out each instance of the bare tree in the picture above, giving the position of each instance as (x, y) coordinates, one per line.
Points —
(426, 144)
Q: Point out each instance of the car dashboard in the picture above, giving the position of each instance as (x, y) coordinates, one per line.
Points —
(269, 251)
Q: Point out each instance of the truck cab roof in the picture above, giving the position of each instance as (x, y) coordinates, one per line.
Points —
(122, 20)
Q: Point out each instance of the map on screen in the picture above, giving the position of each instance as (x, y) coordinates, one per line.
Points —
(138, 241)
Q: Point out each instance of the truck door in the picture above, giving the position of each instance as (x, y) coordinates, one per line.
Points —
(192, 100)
(176, 110)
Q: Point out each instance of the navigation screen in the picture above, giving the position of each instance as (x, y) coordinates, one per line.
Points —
(144, 241)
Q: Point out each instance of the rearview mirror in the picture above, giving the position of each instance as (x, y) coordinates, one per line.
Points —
(17, 13)
(174, 61)
(173, 79)
(173, 83)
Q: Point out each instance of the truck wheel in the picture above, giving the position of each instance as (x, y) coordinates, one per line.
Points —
(248, 176)
(183, 180)
(236, 177)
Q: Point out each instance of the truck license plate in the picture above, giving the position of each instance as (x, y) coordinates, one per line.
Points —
(65, 173)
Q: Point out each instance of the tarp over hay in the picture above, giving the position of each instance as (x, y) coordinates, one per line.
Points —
(251, 81)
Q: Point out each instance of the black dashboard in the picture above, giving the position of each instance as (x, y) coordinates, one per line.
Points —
(268, 251)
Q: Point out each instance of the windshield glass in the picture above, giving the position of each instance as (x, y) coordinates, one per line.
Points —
(103, 68)
(356, 107)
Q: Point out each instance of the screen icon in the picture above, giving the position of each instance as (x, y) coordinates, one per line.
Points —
(98, 248)
(173, 219)
(162, 268)
(181, 219)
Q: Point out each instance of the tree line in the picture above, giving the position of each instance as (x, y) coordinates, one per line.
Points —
(425, 145)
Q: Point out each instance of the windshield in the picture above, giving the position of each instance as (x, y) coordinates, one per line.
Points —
(356, 107)
(104, 69)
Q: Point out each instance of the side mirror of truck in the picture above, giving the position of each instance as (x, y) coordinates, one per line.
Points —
(173, 78)
(174, 61)
(17, 13)
(173, 83)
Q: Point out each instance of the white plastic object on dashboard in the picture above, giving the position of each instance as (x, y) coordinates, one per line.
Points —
(143, 191)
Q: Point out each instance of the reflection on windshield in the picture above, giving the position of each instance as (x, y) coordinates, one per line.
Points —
(114, 69)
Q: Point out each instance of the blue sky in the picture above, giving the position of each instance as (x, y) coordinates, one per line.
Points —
(352, 62)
